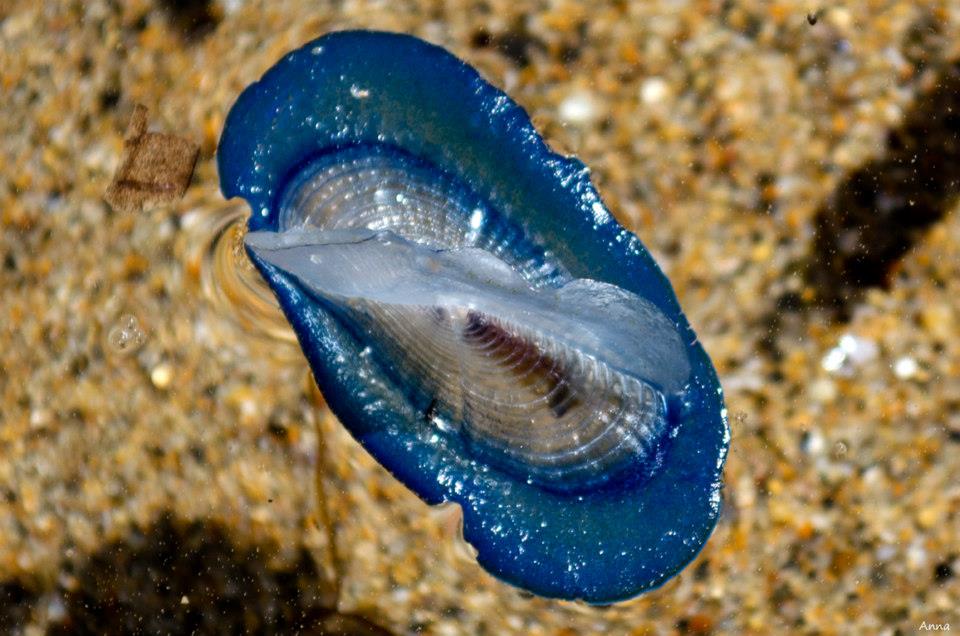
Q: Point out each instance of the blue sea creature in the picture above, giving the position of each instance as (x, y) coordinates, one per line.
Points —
(475, 316)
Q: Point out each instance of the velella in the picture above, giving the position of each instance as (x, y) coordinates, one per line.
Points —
(475, 316)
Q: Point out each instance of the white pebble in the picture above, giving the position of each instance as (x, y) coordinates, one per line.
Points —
(905, 368)
(654, 90)
(161, 376)
(578, 108)
(833, 361)
(814, 443)
(851, 352)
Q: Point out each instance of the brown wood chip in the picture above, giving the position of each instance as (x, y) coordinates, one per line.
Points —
(156, 167)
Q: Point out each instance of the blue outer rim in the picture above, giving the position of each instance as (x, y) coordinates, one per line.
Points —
(601, 547)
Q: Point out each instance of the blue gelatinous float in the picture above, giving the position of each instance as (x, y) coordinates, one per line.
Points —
(382, 155)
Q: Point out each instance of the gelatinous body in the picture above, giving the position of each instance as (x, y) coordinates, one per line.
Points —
(540, 380)
(476, 318)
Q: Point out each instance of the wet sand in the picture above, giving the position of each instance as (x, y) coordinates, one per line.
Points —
(734, 138)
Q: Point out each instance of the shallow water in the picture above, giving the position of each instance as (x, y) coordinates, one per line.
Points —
(791, 178)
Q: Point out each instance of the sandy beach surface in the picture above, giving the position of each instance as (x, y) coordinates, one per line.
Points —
(793, 166)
